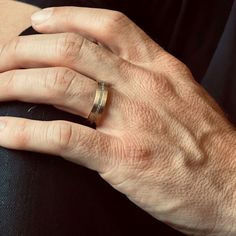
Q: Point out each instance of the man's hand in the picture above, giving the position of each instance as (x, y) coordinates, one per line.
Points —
(162, 141)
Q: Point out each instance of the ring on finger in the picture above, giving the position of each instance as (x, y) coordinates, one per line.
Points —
(99, 103)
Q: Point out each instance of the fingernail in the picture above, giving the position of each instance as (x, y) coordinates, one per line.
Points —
(2, 124)
(41, 16)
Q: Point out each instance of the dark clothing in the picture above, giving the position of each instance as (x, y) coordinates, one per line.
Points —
(44, 195)
(220, 79)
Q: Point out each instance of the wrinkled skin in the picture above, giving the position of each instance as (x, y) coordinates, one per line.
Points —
(163, 141)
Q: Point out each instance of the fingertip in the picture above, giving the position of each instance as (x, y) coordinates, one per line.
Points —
(42, 16)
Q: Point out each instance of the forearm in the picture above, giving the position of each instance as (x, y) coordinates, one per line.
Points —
(14, 18)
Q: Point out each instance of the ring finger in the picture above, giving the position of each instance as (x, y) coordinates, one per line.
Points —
(58, 86)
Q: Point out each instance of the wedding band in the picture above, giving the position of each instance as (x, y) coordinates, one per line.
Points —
(99, 103)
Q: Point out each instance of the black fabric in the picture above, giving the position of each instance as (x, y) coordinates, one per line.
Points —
(220, 79)
(44, 195)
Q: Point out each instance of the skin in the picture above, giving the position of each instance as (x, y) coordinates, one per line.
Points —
(10, 25)
(163, 141)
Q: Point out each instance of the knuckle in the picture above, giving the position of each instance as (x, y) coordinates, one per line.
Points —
(158, 85)
(68, 15)
(182, 70)
(115, 21)
(69, 46)
(11, 47)
(176, 66)
(8, 81)
(118, 17)
(137, 155)
(162, 84)
(22, 135)
(14, 46)
(58, 82)
(60, 134)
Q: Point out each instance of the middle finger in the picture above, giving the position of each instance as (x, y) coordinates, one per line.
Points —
(65, 49)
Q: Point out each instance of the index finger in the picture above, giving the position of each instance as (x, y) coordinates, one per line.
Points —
(111, 28)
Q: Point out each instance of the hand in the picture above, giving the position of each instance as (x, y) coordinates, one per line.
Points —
(162, 141)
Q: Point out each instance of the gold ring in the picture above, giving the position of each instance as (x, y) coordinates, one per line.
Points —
(99, 103)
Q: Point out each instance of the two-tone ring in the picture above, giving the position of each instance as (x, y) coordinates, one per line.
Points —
(99, 103)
